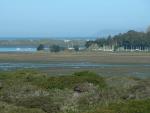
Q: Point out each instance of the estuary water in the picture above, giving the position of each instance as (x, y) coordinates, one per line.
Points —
(18, 49)
(141, 70)
(22, 65)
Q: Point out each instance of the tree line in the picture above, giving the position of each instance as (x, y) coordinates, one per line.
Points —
(129, 40)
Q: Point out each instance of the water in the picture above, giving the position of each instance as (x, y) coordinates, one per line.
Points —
(18, 49)
(12, 66)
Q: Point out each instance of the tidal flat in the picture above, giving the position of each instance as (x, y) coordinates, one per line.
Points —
(103, 63)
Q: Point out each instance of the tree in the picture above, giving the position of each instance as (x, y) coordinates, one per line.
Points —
(40, 47)
(76, 47)
(55, 48)
(148, 30)
(129, 40)
(88, 43)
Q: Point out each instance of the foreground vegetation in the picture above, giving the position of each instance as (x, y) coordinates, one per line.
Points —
(27, 91)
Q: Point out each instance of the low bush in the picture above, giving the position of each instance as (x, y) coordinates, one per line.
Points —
(62, 82)
(132, 106)
(8, 108)
(29, 91)
(44, 103)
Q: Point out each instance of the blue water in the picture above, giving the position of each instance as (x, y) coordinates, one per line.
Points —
(10, 66)
(22, 65)
(17, 49)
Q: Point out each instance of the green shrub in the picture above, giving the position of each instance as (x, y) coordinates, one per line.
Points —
(62, 82)
(53, 82)
(31, 91)
(132, 106)
(86, 73)
(44, 103)
(8, 108)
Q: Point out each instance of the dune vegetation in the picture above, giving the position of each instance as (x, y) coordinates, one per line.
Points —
(29, 91)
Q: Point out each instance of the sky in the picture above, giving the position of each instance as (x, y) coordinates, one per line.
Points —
(72, 18)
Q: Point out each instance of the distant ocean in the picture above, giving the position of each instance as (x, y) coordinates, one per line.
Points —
(50, 38)
(18, 49)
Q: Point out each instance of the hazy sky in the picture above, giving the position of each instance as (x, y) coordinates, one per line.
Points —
(71, 18)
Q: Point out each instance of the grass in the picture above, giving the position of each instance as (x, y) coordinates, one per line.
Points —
(8, 108)
(29, 91)
(132, 106)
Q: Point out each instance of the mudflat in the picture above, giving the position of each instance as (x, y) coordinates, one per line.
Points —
(93, 57)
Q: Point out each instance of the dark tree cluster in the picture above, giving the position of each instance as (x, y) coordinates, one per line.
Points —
(130, 40)
(76, 47)
(53, 48)
(40, 47)
(56, 48)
